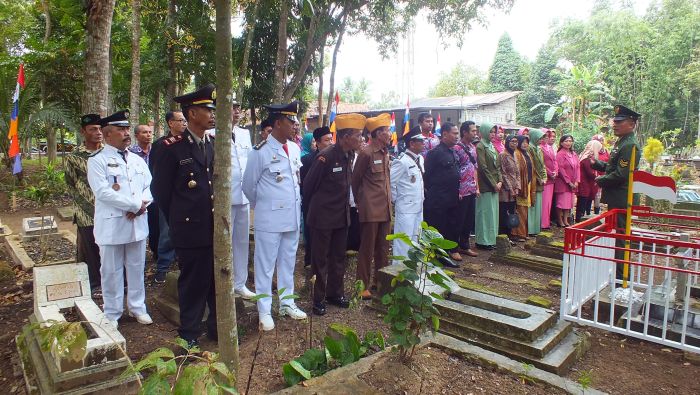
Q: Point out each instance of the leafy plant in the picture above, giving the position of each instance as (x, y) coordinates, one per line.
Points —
(525, 377)
(341, 350)
(409, 309)
(51, 184)
(585, 379)
(206, 375)
(652, 151)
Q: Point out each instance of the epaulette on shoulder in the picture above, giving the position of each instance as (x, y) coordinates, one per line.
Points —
(401, 155)
(96, 152)
(172, 140)
(260, 145)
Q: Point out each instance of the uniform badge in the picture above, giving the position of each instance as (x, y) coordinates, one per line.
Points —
(322, 159)
(413, 179)
(624, 163)
(378, 162)
(192, 184)
(116, 187)
(337, 169)
(185, 161)
(279, 178)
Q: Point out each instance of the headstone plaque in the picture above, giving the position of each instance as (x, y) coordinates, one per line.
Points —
(35, 226)
(63, 291)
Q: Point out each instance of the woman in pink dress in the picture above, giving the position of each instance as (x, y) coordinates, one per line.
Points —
(550, 162)
(567, 179)
(498, 141)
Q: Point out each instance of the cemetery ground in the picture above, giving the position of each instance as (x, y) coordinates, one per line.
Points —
(613, 363)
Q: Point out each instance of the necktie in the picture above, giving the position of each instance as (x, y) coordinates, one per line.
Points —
(123, 154)
(286, 150)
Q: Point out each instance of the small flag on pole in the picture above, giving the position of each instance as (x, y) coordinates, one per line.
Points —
(438, 128)
(17, 165)
(656, 187)
(334, 111)
(407, 118)
(392, 127)
(13, 134)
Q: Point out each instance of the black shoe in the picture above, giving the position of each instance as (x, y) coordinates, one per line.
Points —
(485, 247)
(340, 302)
(159, 278)
(447, 262)
(319, 308)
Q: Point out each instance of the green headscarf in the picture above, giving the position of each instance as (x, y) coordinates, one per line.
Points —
(535, 136)
(485, 130)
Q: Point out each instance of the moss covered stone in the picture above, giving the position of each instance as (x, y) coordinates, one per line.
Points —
(539, 301)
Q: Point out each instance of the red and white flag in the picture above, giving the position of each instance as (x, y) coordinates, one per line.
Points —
(656, 187)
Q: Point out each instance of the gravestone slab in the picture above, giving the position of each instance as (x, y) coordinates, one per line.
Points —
(35, 226)
(65, 213)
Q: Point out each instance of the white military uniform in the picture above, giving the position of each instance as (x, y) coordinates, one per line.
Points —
(120, 186)
(407, 194)
(240, 209)
(271, 183)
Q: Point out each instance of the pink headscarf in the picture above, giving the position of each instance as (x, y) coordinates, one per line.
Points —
(497, 142)
(523, 130)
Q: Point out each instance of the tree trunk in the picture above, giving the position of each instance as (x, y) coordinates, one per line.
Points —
(311, 47)
(50, 131)
(157, 131)
(331, 82)
(254, 121)
(320, 88)
(281, 61)
(243, 70)
(135, 92)
(171, 83)
(223, 253)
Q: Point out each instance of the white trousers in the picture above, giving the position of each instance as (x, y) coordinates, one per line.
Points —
(274, 249)
(408, 224)
(114, 259)
(240, 238)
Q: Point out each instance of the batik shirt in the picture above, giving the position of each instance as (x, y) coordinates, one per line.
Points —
(78, 187)
(431, 141)
(467, 168)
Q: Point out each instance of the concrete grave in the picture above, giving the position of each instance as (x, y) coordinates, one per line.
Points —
(520, 331)
(545, 246)
(504, 254)
(65, 213)
(36, 226)
(21, 258)
(56, 289)
(168, 304)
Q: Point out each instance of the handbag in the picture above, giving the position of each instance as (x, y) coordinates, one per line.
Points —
(512, 220)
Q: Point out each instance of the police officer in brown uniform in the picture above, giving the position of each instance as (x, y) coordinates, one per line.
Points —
(372, 191)
(185, 194)
(327, 188)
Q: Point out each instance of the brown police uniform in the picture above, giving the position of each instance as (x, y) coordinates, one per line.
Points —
(327, 188)
(371, 188)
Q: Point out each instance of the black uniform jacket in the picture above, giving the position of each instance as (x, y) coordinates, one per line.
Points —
(183, 188)
(441, 178)
(327, 188)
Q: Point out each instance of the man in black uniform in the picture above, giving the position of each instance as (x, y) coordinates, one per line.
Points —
(327, 189)
(442, 189)
(184, 190)
(324, 138)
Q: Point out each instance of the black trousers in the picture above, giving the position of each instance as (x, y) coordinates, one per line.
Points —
(503, 209)
(583, 206)
(195, 288)
(89, 252)
(446, 220)
(354, 230)
(307, 243)
(328, 262)
(153, 229)
(467, 212)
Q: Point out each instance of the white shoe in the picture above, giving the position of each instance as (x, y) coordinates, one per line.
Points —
(293, 311)
(144, 319)
(266, 322)
(245, 293)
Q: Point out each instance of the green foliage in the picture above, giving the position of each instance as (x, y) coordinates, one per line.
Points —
(525, 377)
(652, 151)
(51, 184)
(462, 80)
(354, 91)
(206, 375)
(506, 72)
(585, 379)
(409, 310)
(342, 350)
(541, 88)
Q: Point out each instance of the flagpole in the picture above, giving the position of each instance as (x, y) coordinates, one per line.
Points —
(628, 220)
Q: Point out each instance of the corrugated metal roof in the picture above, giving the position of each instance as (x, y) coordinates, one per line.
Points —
(467, 102)
(342, 109)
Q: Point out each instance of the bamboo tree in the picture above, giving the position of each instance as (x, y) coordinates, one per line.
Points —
(223, 252)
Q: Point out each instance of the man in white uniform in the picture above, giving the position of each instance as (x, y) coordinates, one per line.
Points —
(271, 184)
(407, 191)
(120, 181)
(240, 209)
